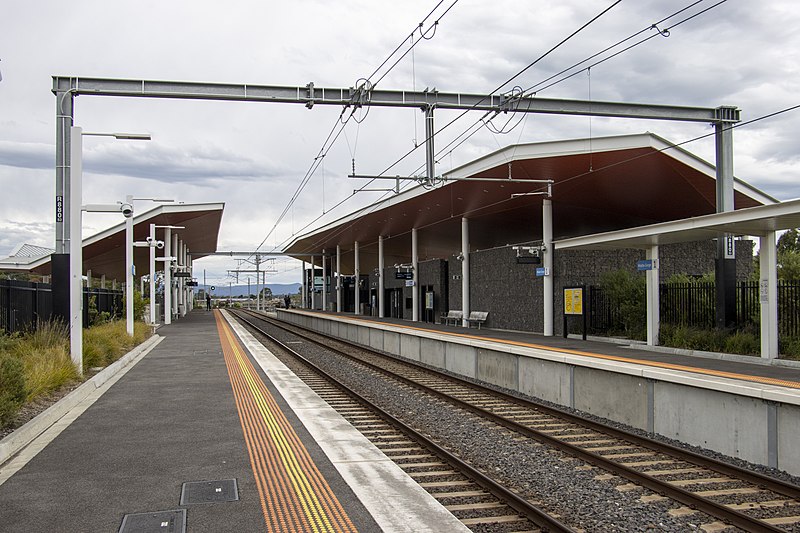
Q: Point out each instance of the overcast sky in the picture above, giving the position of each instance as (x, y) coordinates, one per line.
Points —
(252, 156)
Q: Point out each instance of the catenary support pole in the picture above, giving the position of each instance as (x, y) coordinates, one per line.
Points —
(356, 283)
(653, 317)
(60, 260)
(415, 275)
(465, 271)
(381, 282)
(74, 252)
(768, 289)
(547, 280)
(338, 279)
(725, 272)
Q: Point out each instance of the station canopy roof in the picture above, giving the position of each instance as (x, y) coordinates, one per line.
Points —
(104, 253)
(600, 185)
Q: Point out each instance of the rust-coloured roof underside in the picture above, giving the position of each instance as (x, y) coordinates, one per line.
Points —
(593, 192)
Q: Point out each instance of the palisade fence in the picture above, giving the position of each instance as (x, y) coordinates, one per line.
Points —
(24, 304)
(693, 305)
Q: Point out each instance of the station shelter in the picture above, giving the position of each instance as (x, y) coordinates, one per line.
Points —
(188, 232)
(474, 241)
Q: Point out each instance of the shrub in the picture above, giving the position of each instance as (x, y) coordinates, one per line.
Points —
(12, 388)
(790, 347)
(743, 343)
(627, 292)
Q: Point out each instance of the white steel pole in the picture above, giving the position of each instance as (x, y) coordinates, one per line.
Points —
(653, 314)
(415, 275)
(324, 282)
(338, 279)
(76, 250)
(381, 285)
(465, 272)
(768, 289)
(174, 289)
(129, 269)
(303, 291)
(357, 273)
(152, 274)
(167, 276)
(547, 281)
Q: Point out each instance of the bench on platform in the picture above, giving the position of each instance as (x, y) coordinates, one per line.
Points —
(455, 316)
(477, 317)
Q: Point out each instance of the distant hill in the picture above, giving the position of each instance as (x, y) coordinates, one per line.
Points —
(278, 289)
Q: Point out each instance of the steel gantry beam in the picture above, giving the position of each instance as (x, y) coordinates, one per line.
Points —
(67, 88)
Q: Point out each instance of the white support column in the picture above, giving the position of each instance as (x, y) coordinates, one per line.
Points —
(414, 265)
(129, 275)
(465, 271)
(381, 284)
(102, 281)
(653, 317)
(547, 280)
(304, 293)
(152, 275)
(324, 282)
(312, 289)
(768, 289)
(75, 248)
(338, 279)
(357, 268)
(184, 288)
(173, 288)
(89, 279)
(167, 276)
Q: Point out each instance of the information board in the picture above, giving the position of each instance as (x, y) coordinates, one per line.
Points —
(573, 301)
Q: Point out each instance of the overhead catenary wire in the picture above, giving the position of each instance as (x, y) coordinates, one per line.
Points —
(333, 135)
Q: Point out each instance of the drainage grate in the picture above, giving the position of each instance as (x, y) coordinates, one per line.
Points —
(224, 490)
(159, 522)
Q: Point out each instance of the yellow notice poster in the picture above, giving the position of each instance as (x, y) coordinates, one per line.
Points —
(573, 301)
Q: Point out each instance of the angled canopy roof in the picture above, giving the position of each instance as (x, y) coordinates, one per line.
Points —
(601, 184)
(104, 253)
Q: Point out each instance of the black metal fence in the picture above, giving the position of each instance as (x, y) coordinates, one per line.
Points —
(694, 305)
(24, 304)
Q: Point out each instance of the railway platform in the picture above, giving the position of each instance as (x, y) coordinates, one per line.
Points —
(209, 432)
(737, 406)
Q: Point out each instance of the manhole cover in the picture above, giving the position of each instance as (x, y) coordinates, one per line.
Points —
(224, 490)
(158, 522)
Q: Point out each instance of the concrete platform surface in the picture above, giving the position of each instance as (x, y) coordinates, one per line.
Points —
(171, 419)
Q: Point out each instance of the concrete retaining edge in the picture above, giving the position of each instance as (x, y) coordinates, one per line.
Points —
(21, 437)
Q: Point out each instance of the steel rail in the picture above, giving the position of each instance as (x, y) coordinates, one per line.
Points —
(720, 511)
(513, 500)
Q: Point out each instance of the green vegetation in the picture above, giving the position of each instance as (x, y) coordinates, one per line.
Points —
(39, 363)
(105, 343)
(627, 291)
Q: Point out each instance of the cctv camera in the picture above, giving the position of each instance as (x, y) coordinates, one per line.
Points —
(159, 244)
(127, 210)
(149, 239)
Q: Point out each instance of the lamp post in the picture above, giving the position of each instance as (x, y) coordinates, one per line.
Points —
(153, 228)
(75, 238)
(130, 269)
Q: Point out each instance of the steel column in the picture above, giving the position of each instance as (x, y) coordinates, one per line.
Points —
(547, 280)
(168, 276)
(338, 279)
(357, 268)
(304, 294)
(324, 282)
(768, 290)
(725, 272)
(381, 282)
(75, 255)
(653, 318)
(465, 271)
(415, 274)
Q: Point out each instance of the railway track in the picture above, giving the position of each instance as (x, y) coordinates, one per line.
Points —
(731, 496)
(479, 502)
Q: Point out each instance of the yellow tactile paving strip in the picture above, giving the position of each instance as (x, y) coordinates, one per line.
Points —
(644, 362)
(295, 497)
